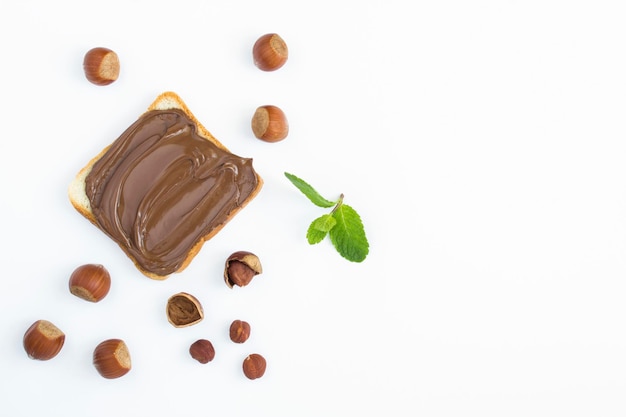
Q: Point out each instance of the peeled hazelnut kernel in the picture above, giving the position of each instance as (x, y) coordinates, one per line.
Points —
(101, 66)
(202, 350)
(43, 340)
(270, 52)
(90, 282)
(112, 359)
(254, 366)
(239, 331)
(240, 268)
(269, 124)
(184, 310)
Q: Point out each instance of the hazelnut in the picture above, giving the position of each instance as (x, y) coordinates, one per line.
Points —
(269, 124)
(101, 66)
(43, 340)
(239, 331)
(184, 310)
(254, 366)
(202, 350)
(270, 52)
(240, 268)
(112, 359)
(90, 282)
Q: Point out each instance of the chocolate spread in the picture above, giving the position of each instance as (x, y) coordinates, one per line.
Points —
(161, 188)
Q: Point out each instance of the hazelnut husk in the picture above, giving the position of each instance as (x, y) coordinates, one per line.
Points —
(254, 366)
(184, 310)
(101, 66)
(239, 331)
(202, 350)
(111, 358)
(43, 340)
(270, 52)
(269, 124)
(91, 282)
(240, 268)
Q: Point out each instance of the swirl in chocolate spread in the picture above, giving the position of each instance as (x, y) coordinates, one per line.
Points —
(161, 188)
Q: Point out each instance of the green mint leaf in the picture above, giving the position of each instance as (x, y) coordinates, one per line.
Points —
(324, 223)
(309, 191)
(319, 228)
(314, 236)
(348, 235)
(343, 224)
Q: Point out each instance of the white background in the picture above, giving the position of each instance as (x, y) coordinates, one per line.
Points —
(482, 142)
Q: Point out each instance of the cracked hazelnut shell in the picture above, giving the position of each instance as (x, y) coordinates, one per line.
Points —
(240, 268)
(184, 310)
(43, 340)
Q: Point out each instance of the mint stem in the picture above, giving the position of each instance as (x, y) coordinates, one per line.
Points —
(339, 203)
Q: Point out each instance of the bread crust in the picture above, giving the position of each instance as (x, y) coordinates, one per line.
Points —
(80, 201)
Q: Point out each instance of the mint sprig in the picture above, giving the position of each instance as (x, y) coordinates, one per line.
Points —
(343, 224)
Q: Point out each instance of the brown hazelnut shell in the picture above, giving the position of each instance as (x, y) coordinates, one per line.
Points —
(184, 310)
(101, 66)
(269, 124)
(43, 340)
(111, 358)
(91, 282)
(270, 52)
(240, 268)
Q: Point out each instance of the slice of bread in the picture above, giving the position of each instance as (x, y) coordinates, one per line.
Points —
(79, 196)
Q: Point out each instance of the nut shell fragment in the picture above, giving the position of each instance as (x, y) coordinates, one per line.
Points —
(184, 310)
(240, 268)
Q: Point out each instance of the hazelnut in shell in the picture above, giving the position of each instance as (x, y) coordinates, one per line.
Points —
(240, 268)
(101, 66)
(270, 52)
(269, 124)
(43, 340)
(91, 282)
(184, 310)
(202, 350)
(111, 358)
(254, 366)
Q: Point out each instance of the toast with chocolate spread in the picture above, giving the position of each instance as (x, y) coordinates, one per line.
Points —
(163, 188)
